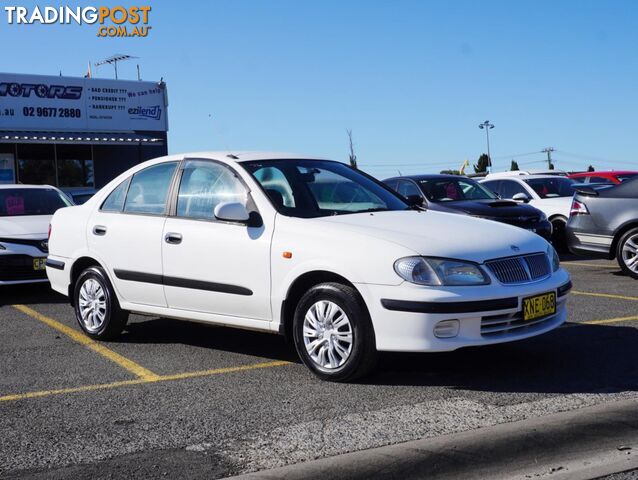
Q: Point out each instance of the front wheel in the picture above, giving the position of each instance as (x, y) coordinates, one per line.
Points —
(559, 237)
(96, 307)
(627, 253)
(333, 333)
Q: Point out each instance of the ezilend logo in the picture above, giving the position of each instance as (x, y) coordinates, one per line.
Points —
(154, 112)
(43, 91)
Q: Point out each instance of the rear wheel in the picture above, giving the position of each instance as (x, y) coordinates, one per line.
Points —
(627, 253)
(333, 333)
(96, 307)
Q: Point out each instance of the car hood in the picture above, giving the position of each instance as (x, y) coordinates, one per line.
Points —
(440, 234)
(26, 227)
(493, 208)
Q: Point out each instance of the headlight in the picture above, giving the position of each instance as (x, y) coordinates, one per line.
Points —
(554, 259)
(439, 271)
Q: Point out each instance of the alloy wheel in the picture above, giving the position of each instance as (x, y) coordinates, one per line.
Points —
(327, 335)
(92, 303)
(630, 253)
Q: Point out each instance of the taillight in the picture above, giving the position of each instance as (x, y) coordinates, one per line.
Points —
(49, 234)
(578, 208)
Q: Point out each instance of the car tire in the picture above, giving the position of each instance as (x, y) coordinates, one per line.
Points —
(626, 251)
(96, 307)
(559, 237)
(333, 333)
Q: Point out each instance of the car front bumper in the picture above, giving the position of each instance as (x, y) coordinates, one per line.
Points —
(404, 316)
(17, 264)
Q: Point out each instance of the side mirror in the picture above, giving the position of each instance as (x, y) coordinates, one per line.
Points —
(520, 197)
(414, 200)
(232, 212)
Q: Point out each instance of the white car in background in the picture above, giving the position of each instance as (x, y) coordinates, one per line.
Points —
(25, 213)
(304, 247)
(551, 194)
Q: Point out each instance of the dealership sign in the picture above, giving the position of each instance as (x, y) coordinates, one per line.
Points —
(35, 102)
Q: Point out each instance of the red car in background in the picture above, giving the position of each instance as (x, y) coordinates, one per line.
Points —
(612, 176)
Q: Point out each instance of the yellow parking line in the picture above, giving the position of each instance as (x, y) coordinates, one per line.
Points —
(604, 295)
(583, 264)
(127, 364)
(139, 381)
(611, 320)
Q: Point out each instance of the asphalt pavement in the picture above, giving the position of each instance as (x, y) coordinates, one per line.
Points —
(173, 398)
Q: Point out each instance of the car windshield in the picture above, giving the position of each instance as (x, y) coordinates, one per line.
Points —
(30, 201)
(454, 190)
(552, 187)
(318, 188)
(626, 176)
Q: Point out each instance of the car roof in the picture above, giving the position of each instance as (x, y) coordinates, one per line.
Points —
(14, 186)
(493, 176)
(603, 172)
(246, 156)
(431, 176)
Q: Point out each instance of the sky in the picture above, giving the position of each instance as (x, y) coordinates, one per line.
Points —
(411, 79)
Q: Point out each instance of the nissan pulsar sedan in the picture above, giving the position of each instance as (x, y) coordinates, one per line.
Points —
(308, 248)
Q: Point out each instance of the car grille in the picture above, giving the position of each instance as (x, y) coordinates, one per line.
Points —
(496, 325)
(525, 268)
(522, 221)
(42, 245)
(19, 267)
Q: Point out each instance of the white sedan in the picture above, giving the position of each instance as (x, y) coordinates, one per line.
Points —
(551, 194)
(304, 247)
(25, 213)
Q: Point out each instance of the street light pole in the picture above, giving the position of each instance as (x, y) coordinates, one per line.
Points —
(487, 126)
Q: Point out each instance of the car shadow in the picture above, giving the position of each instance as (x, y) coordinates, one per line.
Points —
(30, 294)
(576, 358)
(247, 342)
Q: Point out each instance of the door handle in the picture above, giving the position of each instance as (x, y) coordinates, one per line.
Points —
(99, 230)
(173, 238)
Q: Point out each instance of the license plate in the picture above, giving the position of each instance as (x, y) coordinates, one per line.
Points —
(39, 263)
(539, 306)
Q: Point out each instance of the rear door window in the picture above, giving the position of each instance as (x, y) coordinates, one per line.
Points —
(149, 189)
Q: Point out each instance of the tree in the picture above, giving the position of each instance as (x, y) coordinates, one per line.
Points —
(352, 157)
(451, 172)
(591, 168)
(514, 166)
(482, 164)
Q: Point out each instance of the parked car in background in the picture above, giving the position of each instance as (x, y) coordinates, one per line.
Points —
(25, 213)
(457, 194)
(310, 248)
(549, 193)
(604, 222)
(610, 176)
(79, 195)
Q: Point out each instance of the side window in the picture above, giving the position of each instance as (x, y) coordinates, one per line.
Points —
(203, 186)
(494, 185)
(509, 188)
(115, 201)
(149, 189)
(393, 184)
(598, 180)
(408, 188)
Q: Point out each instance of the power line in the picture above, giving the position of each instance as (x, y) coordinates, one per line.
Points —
(517, 155)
